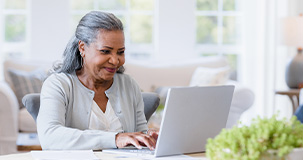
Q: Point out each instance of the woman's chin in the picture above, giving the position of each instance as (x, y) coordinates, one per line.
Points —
(108, 77)
(104, 75)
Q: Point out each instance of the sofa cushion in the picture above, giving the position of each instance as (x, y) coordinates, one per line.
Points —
(151, 75)
(26, 82)
(204, 76)
(26, 121)
(24, 65)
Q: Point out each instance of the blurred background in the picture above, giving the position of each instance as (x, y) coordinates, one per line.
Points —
(246, 32)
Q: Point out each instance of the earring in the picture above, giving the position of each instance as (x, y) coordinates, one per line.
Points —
(81, 61)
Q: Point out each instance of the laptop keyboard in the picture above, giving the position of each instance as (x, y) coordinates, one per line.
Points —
(131, 149)
(142, 151)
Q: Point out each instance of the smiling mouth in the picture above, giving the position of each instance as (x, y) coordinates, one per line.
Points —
(111, 70)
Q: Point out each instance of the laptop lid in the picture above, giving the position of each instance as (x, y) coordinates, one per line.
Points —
(191, 116)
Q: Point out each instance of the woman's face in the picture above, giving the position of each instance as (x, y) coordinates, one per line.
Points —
(103, 57)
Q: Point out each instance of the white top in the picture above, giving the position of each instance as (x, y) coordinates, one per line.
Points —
(107, 121)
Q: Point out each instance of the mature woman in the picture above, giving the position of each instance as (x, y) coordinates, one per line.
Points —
(89, 103)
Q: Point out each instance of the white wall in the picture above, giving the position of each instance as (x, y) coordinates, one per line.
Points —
(175, 33)
(49, 28)
(176, 30)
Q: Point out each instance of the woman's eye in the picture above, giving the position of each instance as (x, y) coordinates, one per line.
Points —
(105, 51)
(121, 52)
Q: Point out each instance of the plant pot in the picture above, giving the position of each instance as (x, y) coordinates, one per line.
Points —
(295, 154)
(271, 155)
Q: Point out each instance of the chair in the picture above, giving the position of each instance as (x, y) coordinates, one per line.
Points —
(299, 111)
(32, 103)
(8, 120)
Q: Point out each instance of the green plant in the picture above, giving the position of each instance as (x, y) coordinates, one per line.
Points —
(160, 108)
(251, 142)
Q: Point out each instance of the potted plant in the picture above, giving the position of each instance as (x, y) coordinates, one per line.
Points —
(267, 138)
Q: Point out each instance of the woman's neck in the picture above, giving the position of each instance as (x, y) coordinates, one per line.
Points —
(92, 83)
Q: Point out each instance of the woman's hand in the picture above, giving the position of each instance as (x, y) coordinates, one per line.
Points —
(138, 139)
(154, 133)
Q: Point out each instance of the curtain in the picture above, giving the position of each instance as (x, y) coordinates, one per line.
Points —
(260, 63)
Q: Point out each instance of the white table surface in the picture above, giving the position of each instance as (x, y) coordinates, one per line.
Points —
(101, 155)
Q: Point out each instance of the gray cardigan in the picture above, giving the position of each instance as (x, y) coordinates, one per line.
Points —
(65, 109)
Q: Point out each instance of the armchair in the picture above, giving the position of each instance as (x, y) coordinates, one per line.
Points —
(32, 103)
(13, 118)
(8, 119)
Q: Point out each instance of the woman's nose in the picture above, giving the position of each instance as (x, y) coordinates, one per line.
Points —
(114, 60)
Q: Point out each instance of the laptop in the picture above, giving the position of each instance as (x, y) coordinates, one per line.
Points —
(191, 116)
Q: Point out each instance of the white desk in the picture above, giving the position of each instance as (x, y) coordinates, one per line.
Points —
(101, 155)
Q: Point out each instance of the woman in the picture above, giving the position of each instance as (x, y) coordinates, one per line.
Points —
(88, 103)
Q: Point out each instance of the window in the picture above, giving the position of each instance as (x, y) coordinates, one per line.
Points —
(218, 29)
(136, 15)
(14, 33)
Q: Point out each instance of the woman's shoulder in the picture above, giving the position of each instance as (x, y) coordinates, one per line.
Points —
(59, 79)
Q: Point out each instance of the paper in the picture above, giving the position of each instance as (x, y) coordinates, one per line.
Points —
(27, 139)
(176, 157)
(64, 155)
(123, 155)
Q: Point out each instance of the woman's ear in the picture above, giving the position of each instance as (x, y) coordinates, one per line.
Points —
(81, 47)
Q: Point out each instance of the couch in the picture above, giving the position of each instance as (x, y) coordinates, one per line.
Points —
(151, 77)
(14, 120)
(158, 77)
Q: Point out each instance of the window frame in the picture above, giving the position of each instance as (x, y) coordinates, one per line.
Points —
(10, 48)
(138, 51)
(219, 48)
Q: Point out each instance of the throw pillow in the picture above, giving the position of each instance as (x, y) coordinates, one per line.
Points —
(26, 82)
(204, 76)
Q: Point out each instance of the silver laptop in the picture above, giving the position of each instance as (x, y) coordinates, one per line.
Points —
(191, 116)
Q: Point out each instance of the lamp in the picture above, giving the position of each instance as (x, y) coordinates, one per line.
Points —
(292, 35)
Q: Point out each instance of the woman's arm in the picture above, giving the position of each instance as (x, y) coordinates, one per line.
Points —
(141, 123)
(138, 139)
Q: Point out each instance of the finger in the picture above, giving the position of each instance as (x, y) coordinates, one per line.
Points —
(125, 139)
(154, 135)
(135, 142)
(152, 131)
(147, 140)
(152, 140)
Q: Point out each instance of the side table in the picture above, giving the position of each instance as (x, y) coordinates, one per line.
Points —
(28, 142)
(293, 95)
